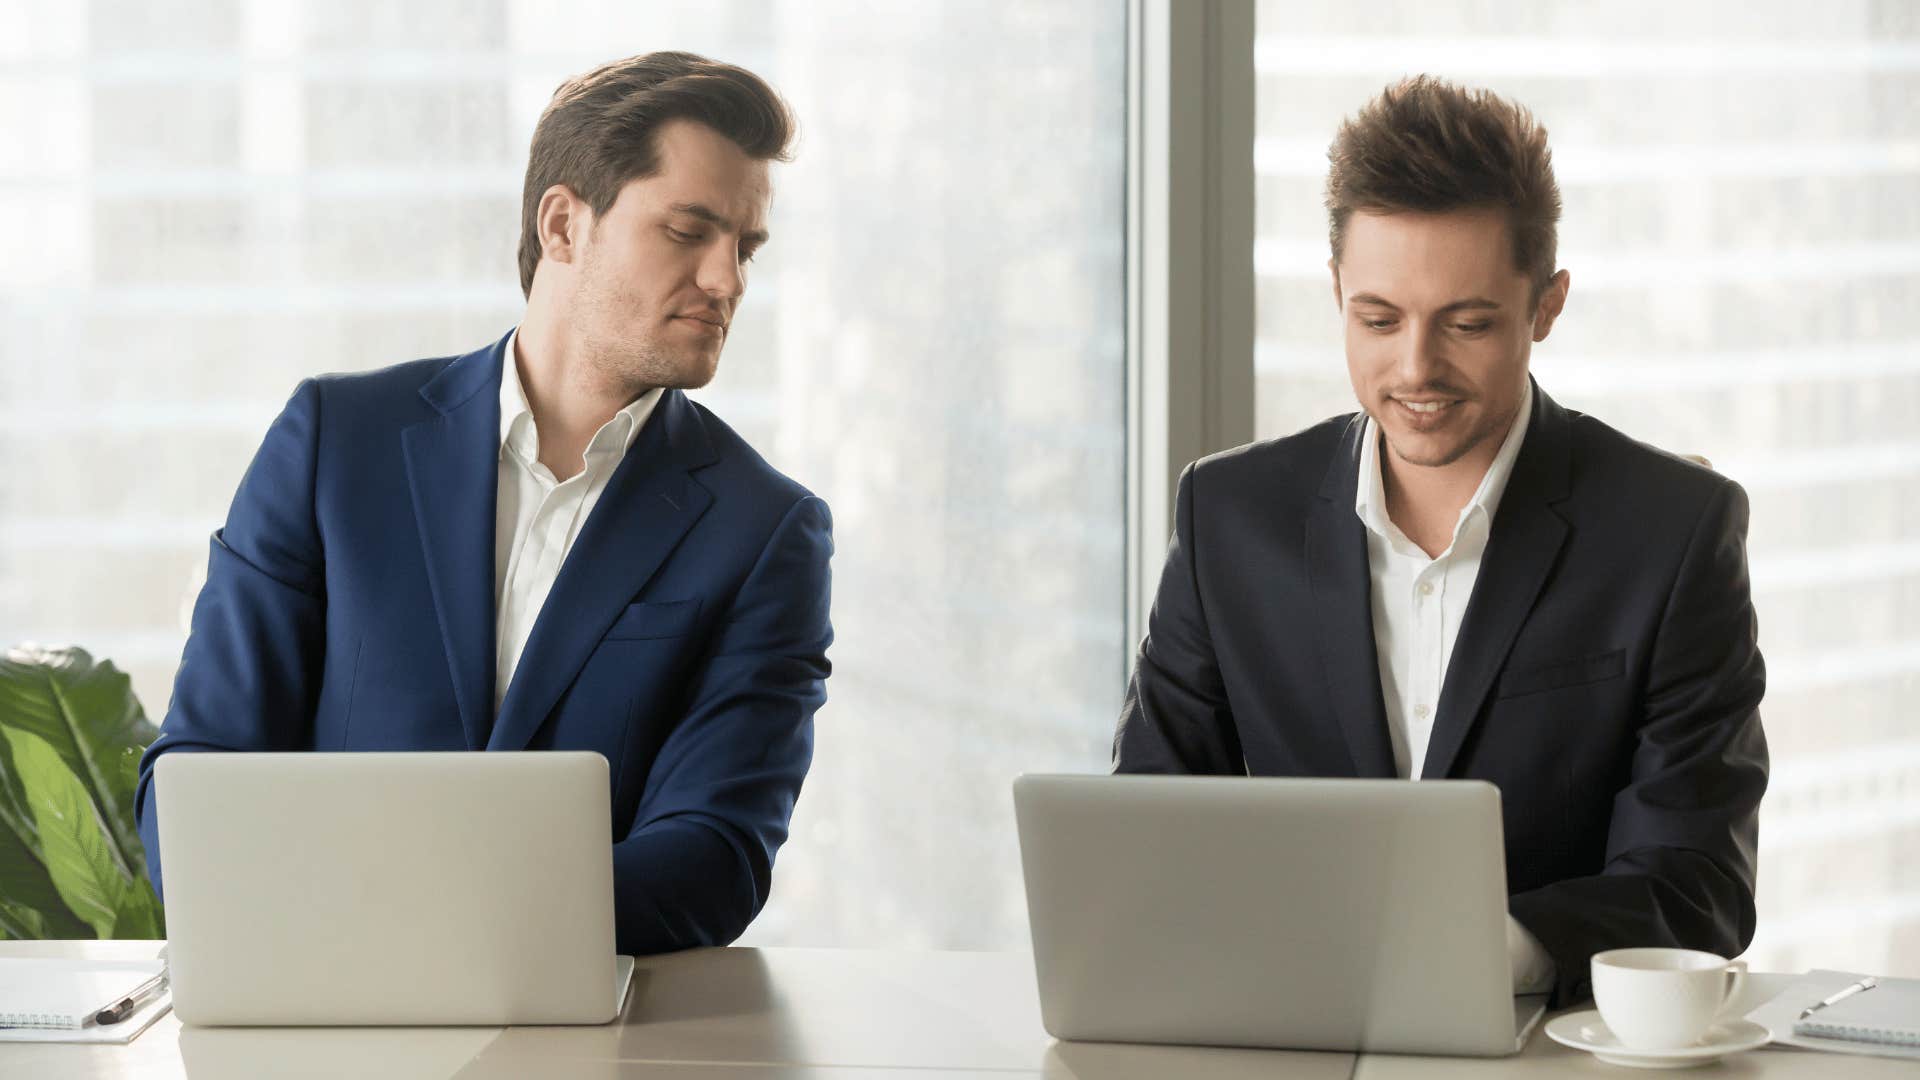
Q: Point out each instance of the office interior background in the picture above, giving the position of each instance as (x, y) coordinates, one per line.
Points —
(208, 200)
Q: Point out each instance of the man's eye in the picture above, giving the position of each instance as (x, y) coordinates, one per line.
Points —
(746, 254)
(1377, 324)
(1471, 328)
(682, 237)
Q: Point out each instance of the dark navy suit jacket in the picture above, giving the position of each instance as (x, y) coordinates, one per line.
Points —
(349, 605)
(1606, 676)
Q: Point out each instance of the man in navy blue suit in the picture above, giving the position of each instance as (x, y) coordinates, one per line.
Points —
(543, 544)
(1467, 580)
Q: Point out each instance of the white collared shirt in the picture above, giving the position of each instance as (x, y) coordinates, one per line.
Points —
(1418, 602)
(537, 517)
(1418, 605)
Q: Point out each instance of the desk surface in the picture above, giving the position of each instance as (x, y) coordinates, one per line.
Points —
(796, 1014)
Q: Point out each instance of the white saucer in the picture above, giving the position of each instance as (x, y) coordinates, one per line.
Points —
(1586, 1031)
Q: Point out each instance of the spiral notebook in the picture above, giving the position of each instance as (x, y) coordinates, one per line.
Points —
(1781, 1016)
(1888, 1014)
(66, 994)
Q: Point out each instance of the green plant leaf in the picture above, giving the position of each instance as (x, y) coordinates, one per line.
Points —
(79, 857)
(14, 818)
(138, 916)
(87, 712)
(23, 923)
(33, 906)
(24, 883)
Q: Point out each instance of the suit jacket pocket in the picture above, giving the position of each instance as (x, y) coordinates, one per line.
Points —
(1553, 676)
(660, 619)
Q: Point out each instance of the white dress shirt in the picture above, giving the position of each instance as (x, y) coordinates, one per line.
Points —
(1418, 604)
(537, 517)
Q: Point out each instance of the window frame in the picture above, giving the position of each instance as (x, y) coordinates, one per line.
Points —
(1190, 273)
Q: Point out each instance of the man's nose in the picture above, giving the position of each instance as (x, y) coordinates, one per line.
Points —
(722, 275)
(1421, 354)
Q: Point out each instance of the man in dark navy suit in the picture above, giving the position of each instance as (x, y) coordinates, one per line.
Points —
(543, 544)
(1466, 579)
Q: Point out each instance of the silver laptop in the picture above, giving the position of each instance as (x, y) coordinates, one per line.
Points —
(403, 888)
(1362, 915)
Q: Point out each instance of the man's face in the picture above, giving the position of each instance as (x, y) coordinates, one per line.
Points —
(662, 272)
(1438, 330)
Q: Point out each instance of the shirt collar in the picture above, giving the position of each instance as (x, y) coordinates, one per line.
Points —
(513, 397)
(1370, 499)
(517, 430)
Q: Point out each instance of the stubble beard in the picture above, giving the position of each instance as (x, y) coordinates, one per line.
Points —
(633, 367)
(628, 366)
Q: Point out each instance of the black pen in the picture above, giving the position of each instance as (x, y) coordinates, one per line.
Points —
(123, 1008)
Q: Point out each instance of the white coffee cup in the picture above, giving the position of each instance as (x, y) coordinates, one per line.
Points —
(1663, 999)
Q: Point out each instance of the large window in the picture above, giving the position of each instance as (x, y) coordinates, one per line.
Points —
(209, 199)
(1742, 226)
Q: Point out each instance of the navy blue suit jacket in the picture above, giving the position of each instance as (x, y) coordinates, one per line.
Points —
(1606, 676)
(349, 605)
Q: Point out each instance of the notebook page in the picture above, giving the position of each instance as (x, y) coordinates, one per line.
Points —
(1778, 1015)
(1889, 1013)
(48, 993)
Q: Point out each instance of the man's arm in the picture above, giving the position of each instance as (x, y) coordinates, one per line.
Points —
(698, 864)
(1175, 718)
(1681, 847)
(249, 675)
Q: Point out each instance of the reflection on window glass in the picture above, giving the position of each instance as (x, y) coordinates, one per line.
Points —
(226, 196)
(1742, 227)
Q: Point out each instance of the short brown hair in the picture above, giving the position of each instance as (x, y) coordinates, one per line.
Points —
(598, 131)
(1427, 145)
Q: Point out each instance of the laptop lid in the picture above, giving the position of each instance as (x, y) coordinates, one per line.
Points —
(388, 888)
(1360, 915)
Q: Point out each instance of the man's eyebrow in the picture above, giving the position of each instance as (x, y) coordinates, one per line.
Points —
(755, 237)
(1472, 303)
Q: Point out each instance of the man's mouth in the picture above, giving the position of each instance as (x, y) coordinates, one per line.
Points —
(1425, 412)
(718, 324)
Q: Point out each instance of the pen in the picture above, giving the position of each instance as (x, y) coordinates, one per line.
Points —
(123, 1008)
(1867, 983)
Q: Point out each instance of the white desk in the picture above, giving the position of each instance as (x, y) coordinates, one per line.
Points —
(795, 1014)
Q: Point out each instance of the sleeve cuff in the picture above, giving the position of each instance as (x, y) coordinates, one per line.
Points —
(1533, 969)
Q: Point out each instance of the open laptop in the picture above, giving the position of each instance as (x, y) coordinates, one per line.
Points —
(1360, 915)
(389, 888)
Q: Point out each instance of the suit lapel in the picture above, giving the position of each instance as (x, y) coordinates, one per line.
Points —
(649, 504)
(1521, 552)
(453, 471)
(1343, 610)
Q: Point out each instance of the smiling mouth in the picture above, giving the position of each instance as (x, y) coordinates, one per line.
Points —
(1425, 414)
(716, 324)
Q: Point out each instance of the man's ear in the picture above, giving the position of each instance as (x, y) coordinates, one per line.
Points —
(1553, 299)
(562, 218)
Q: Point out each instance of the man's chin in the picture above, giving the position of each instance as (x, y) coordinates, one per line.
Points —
(683, 372)
(1428, 451)
(695, 373)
